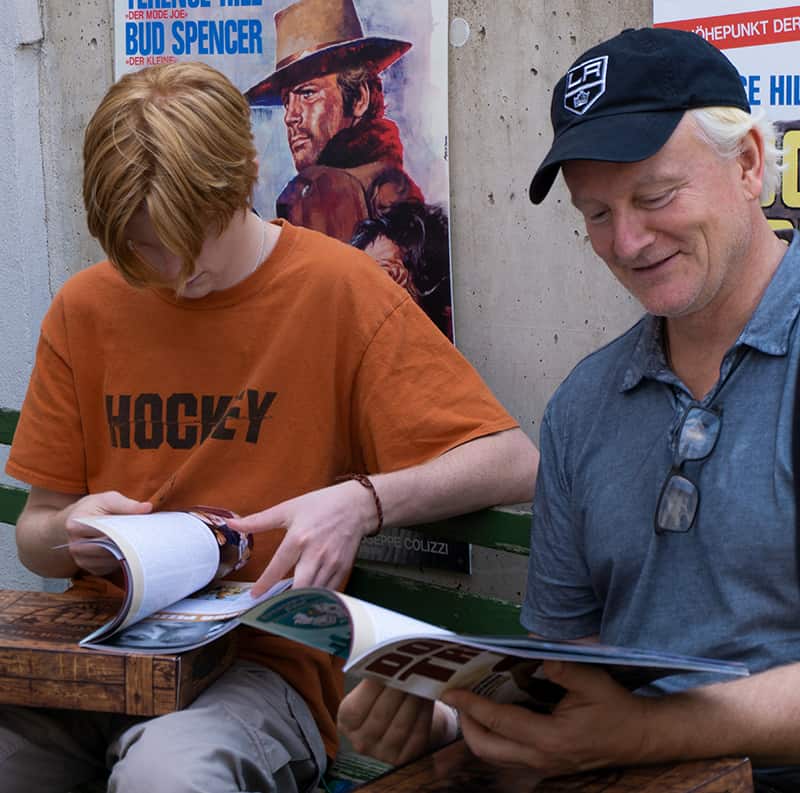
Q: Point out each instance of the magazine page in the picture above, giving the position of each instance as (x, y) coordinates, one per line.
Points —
(509, 670)
(152, 636)
(333, 622)
(428, 666)
(168, 555)
(125, 606)
(397, 650)
(191, 622)
(594, 652)
(221, 599)
(427, 660)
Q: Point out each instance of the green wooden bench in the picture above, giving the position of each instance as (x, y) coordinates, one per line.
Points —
(501, 530)
(12, 499)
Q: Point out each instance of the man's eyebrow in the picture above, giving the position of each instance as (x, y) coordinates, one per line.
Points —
(300, 86)
(649, 184)
(579, 201)
(659, 181)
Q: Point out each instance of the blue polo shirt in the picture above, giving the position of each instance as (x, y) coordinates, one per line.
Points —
(728, 588)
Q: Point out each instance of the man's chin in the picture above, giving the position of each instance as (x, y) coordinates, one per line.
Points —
(300, 163)
(304, 155)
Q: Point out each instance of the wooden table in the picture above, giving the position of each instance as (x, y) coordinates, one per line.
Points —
(455, 769)
(41, 664)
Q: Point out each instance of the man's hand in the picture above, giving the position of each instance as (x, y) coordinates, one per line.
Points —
(92, 558)
(393, 726)
(323, 531)
(598, 723)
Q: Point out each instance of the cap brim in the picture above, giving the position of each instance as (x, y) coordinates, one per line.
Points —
(381, 52)
(623, 137)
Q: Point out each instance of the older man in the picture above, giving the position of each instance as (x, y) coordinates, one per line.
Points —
(348, 156)
(665, 512)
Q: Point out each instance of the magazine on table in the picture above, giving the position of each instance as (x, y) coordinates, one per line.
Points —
(174, 565)
(427, 660)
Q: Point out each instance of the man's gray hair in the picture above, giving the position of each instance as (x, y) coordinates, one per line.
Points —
(724, 128)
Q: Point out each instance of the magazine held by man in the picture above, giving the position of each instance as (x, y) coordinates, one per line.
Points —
(427, 660)
(174, 565)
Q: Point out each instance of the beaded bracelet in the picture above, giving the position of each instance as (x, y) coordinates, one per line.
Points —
(364, 480)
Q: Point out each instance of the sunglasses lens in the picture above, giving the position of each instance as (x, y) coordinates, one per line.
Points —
(677, 505)
(698, 434)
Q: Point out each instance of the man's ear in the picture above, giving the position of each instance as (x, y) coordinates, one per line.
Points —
(751, 162)
(362, 103)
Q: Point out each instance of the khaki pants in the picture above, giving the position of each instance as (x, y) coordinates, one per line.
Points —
(249, 731)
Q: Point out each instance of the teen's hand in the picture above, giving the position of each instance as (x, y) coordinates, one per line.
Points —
(393, 726)
(323, 530)
(92, 558)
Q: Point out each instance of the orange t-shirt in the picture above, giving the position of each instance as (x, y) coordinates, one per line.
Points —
(315, 366)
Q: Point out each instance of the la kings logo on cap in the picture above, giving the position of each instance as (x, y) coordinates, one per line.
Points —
(585, 84)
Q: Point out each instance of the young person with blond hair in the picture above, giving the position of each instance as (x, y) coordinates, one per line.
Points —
(215, 358)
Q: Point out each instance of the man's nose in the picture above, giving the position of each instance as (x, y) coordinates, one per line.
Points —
(632, 234)
(291, 112)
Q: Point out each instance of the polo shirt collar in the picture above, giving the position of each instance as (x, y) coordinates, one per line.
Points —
(768, 329)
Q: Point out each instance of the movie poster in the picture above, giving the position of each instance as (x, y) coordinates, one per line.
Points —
(376, 176)
(368, 165)
(762, 39)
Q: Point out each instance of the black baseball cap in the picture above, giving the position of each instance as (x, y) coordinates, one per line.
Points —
(622, 99)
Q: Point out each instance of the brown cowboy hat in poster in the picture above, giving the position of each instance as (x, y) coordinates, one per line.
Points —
(317, 37)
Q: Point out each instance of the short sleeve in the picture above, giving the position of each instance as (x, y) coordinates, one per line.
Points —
(559, 601)
(416, 396)
(48, 449)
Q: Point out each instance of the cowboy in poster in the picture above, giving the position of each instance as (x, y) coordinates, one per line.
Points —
(348, 154)
(351, 181)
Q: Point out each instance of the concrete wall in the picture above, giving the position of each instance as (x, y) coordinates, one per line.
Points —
(24, 266)
(530, 298)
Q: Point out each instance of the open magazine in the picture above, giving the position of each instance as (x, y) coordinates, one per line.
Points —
(174, 565)
(426, 660)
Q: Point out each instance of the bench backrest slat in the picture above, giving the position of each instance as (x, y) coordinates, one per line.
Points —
(498, 529)
(454, 609)
(12, 499)
(8, 423)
